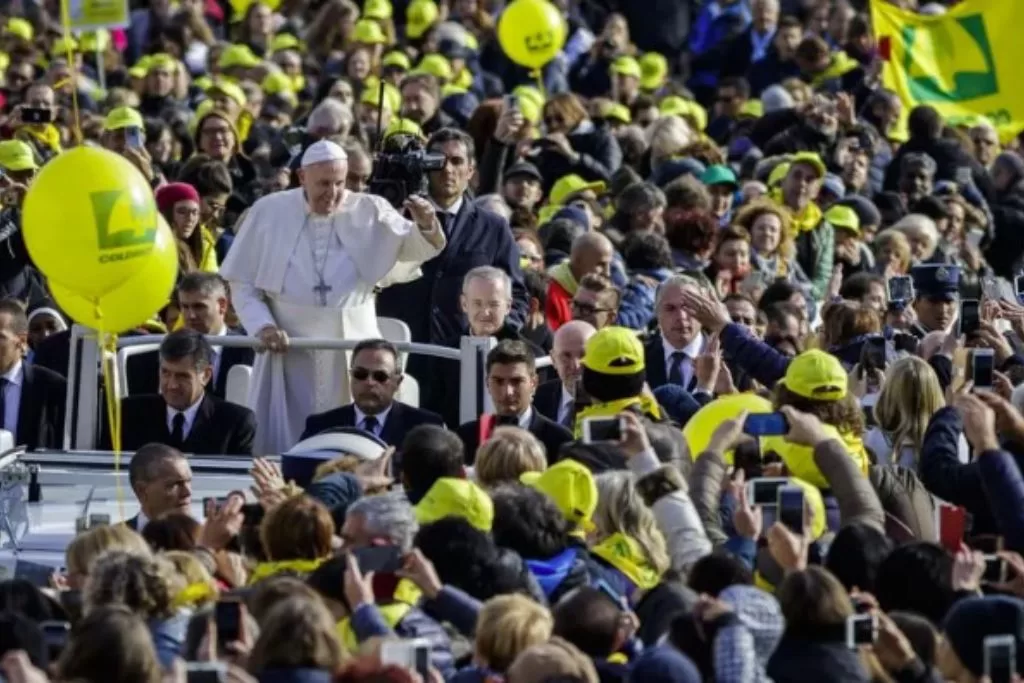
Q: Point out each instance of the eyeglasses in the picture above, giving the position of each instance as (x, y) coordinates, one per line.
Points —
(363, 374)
(587, 309)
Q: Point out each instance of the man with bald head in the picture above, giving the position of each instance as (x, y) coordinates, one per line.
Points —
(305, 264)
(556, 399)
(591, 253)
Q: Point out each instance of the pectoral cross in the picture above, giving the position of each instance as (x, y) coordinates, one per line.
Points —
(321, 289)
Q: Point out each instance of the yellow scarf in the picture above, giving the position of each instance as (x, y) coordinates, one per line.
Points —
(562, 274)
(840, 65)
(646, 403)
(43, 133)
(406, 595)
(624, 553)
(194, 594)
(265, 570)
(806, 220)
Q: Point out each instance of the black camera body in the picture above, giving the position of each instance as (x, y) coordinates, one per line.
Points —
(400, 169)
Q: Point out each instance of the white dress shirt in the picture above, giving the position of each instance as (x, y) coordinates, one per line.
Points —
(12, 397)
(190, 418)
(692, 350)
(452, 210)
(381, 417)
(565, 405)
(524, 419)
(218, 353)
(141, 521)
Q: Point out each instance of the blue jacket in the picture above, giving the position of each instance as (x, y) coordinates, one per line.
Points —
(1002, 481)
(295, 676)
(367, 622)
(636, 309)
(169, 637)
(945, 476)
(456, 607)
(759, 360)
(430, 304)
(709, 39)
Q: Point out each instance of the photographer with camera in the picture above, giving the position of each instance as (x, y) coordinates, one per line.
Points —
(475, 237)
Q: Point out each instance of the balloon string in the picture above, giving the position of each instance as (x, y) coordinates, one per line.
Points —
(108, 347)
(539, 75)
(65, 21)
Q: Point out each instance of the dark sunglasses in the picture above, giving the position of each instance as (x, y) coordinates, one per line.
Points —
(362, 374)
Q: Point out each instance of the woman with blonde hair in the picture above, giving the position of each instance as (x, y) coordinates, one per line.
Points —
(892, 253)
(627, 535)
(110, 645)
(506, 626)
(297, 634)
(200, 589)
(772, 249)
(910, 396)
(507, 455)
(86, 548)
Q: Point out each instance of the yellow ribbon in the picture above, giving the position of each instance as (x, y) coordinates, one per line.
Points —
(265, 570)
(194, 594)
(624, 553)
(406, 595)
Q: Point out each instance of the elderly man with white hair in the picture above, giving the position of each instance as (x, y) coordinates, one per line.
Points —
(305, 264)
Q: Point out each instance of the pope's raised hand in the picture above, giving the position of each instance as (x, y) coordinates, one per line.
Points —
(422, 213)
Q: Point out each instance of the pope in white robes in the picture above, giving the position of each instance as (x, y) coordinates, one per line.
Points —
(305, 264)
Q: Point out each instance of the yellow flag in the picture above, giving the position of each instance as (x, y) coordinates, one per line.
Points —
(964, 63)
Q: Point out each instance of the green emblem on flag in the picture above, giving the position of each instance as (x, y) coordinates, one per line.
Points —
(950, 61)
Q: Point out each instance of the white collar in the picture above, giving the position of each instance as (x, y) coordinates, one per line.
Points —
(452, 210)
(16, 374)
(381, 417)
(222, 333)
(189, 413)
(141, 520)
(692, 350)
(566, 396)
(524, 419)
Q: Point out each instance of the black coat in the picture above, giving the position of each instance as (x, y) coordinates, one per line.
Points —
(144, 369)
(599, 157)
(41, 409)
(547, 399)
(400, 421)
(549, 433)
(430, 304)
(654, 360)
(220, 427)
(1007, 245)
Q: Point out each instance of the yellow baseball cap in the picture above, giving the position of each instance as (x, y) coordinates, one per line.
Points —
(843, 217)
(397, 58)
(614, 351)
(61, 46)
(401, 125)
(450, 497)
(279, 83)
(436, 65)
(17, 155)
(571, 184)
(369, 32)
(161, 59)
(21, 28)
(778, 174)
(815, 374)
(571, 486)
(809, 158)
(230, 89)
(531, 102)
(626, 66)
(141, 67)
(674, 105)
(285, 41)
(378, 9)
(240, 56)
(419, 17)
(618, 112)
(653, 70)
(752, 108)
(122, 117)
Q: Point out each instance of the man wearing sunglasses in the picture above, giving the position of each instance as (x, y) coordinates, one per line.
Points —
(375, 378)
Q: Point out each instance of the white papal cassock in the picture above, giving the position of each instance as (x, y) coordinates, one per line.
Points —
(313, 276)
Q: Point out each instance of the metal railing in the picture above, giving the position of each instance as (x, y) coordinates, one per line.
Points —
(82, 413)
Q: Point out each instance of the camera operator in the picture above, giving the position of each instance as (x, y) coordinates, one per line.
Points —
(475, 237)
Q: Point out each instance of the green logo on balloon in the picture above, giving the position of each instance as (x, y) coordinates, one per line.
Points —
(125, 225)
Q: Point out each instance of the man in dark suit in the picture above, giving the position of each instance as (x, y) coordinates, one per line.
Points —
(31, 398)
(161, 480)
(376, 378)
(671, 356)
(556, 399)
(183, 415)
(511, 383)
(754, 43)
(475, 237)
(203, 300)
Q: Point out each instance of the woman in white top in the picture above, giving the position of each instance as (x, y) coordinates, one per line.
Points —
(910, 396)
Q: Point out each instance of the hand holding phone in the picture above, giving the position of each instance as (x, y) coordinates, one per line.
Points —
(861, 629)
(602, 429)
(765, 424)
(227, 617)
(970, 317)
(792, 512)
(1000, 658)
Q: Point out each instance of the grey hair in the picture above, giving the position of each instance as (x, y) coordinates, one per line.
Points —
(494, 203)
(330, 117)
(678, 281)
(488, 273)
(388, 515)
(776, 98)
(205, 284)
(918, 159)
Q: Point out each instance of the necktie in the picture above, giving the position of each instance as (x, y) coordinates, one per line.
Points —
(178, 430)
(508, 420)
(569, 418)
(446, 220)
(370, 424)
(680, 372)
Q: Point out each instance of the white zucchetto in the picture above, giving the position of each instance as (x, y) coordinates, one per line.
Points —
(323, 151)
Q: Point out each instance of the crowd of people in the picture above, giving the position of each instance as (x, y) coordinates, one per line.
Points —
(758, 278)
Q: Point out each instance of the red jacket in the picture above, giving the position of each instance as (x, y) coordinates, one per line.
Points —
(558, 309)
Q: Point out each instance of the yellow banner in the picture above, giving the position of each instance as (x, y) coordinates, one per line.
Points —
(89, 15)
(963, 62)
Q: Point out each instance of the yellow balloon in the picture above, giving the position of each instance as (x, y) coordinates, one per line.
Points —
(531, 32)
(90, 221)
(702, 425)
(136, 300)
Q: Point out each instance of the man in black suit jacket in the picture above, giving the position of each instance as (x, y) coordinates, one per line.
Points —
(183, 415)
(161, 480)
(511, 383)
(203, 300)
(31, 398)
(740, 53)
(475, 237)
(376, 378)
(670, 356)
(555, 399)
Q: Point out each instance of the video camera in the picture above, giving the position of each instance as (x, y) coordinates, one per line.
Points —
(400, 169)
